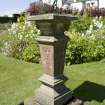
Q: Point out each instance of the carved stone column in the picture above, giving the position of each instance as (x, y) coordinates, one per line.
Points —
(52, 43)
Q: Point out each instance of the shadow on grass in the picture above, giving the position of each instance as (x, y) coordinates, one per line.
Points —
(89, 91)
(22, 103)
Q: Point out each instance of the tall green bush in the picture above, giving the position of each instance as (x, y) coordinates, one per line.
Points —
(87, 45)
(22, 43)
(31, 53)
(80, 25)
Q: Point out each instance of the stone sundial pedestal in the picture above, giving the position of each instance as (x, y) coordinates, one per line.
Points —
(52, 43)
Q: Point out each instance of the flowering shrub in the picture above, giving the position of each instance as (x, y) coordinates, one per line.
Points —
(80, 25)
(23, 30)
(87, 41)
(22, 34)
(95, 25)
(88, 45)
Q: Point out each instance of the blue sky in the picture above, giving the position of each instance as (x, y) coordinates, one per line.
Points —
(8, 7)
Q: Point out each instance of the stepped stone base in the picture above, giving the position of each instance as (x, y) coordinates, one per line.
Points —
(53, 98)
(73, 101)
(53, 92)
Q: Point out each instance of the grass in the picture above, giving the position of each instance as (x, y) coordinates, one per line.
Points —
(18, 80)
(88, 82)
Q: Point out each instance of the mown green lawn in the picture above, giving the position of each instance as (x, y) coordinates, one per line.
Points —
(18, 80)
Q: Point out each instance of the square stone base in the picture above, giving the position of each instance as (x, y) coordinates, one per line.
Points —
(45, 99)
(72, 101)
(48, 99)
(51, 92)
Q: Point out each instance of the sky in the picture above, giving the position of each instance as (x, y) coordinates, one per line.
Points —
(8, 7)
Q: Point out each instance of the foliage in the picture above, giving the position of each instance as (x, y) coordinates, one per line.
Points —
(22, 34)
(91, 12)
(86, 46)
(31, 53)
(6, 19)
(95, 12)
(81, 24)
(87, 40)
(76, 47)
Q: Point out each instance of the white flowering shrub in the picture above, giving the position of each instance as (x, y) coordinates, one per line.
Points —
(88, 45)
(23, 31)
(23, 35)
(95, 25)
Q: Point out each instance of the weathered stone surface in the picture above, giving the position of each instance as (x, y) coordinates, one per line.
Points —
(58, 17)
(71, 102)
(52, 51)
(52, 81)
(52, 44)
(52, 24)
(75, 102)
(52, 91)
